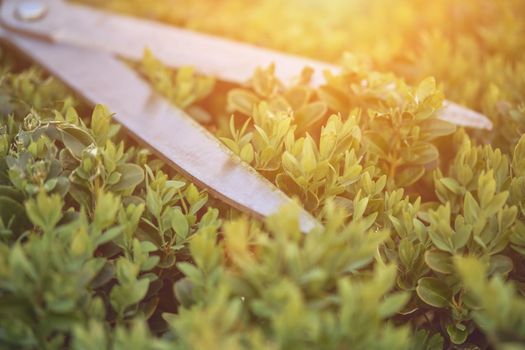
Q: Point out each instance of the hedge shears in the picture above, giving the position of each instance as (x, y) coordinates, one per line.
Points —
(84, 47)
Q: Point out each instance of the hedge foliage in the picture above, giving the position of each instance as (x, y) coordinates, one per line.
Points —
(104, 247)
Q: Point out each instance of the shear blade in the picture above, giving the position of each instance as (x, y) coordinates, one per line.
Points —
(223, 58)
(101, 78)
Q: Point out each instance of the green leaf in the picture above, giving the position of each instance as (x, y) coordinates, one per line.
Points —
(335, 99)
(409, 175)
(461, 237)
(180, 224)
(241, 100)
(297, 96)
(407, 252)
(132, 175)
(308, 160)
(425, 89)
(139, 291)
(106, 273)
(518, 158)
(174, 184)
(123, 296)
(183, 290)
(422, 340)
(14, 213)
(471, 209)
(473, 272)
(198, 205)
(153, 202)
(20, 264)
(309, 114)
(436, 128)
(434, 292)
(190, 271)
(106, 209)
(247, 153)
(439, 261)
(12, 193)
(50, 184)
(45, 211)
(452, 185)
(76, 139)
(440, 242)
(148, 247)
(458, 333)
(486, 188)
(393, 303)
(126, 271)
(100, 122)
(500, 264)
(72, 116)
(497, 203)
(421, 154)
(109, 235)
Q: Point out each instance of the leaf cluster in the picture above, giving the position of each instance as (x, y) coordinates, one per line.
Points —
(103, 247)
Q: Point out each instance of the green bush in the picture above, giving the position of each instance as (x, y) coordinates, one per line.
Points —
(422, 247)
(102, 246)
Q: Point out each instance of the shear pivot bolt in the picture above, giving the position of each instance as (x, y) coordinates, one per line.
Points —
(31, 10)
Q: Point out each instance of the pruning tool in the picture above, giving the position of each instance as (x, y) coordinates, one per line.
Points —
(84, 48)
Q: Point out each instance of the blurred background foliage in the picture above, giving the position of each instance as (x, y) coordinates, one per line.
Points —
(473, 48)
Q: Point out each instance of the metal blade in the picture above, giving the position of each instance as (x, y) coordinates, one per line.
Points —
(225, 59)
(101, 78)
(128, 37)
